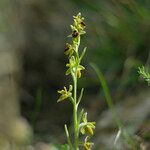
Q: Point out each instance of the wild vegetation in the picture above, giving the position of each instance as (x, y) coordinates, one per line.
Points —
(80, 121)
(102, 86)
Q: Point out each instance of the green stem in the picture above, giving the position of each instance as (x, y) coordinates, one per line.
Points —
(75, 105)
(75, 117)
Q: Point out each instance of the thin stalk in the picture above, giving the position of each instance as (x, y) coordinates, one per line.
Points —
(75, 106)
(109, 101)
(75, 117)
(107, 94)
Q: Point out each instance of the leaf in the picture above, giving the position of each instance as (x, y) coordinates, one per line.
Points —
(64, 147)
(81, 94)
(83, 53)
(68, 71)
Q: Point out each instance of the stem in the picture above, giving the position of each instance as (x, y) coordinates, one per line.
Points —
(75, 106)
(75, 117)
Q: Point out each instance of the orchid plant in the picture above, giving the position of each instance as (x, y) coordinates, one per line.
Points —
(81, 125)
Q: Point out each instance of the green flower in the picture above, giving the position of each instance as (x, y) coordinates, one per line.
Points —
(78, 18)
(65, 93)
(87, 127)
(78, 26)
(87, 145)
(73, 66)
(69, 50)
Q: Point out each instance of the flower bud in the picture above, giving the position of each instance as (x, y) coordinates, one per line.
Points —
(89, 130)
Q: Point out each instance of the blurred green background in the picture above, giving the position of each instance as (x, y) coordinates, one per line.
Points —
(117, 41)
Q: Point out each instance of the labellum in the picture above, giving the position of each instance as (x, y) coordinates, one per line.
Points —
(75, 34)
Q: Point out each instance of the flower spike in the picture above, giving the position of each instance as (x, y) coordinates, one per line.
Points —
(74, 68)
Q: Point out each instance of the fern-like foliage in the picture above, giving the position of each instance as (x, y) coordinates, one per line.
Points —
(145, 74)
